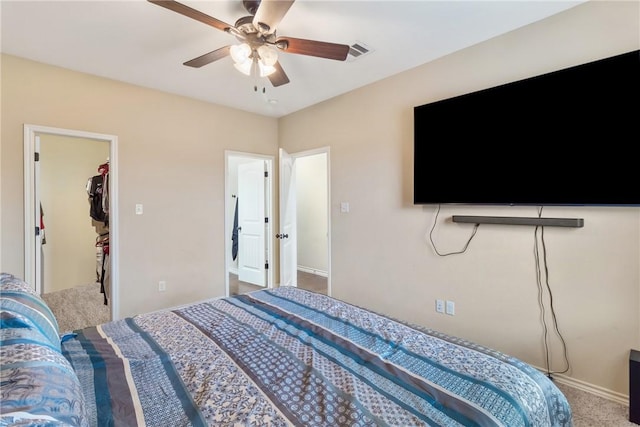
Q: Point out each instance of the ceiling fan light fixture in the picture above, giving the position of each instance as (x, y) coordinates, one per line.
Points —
(244, 67)
(266, 70)
(268, 56)
(240, 53)
(257, 53)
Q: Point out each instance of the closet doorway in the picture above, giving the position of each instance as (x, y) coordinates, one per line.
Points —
(248, 222)
(305, 220)
(57, 169)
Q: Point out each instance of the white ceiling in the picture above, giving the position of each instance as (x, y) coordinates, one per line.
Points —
(141, 43)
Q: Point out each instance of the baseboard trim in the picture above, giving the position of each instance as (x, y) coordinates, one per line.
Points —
(313, 271)
(614, 396)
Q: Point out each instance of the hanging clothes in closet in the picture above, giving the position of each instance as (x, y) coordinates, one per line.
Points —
(98, 192)
(102, 265)
(234, 233)
(43, 237)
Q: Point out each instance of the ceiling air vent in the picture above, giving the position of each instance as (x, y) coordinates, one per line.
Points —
(357, 50)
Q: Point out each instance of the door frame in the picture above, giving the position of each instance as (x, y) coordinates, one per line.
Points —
(228, 217)
(31, 244)
(312, 152)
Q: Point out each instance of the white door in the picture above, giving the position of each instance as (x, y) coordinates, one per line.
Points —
(37, 217)
(251, 223)
(287, 234)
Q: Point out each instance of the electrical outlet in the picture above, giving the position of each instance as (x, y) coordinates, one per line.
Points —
(451, 308)
(440, 306)
(162, 286)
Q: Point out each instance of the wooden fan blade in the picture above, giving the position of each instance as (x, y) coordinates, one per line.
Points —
(192, 13)
(279, 77)
(269, 14)
(313, 48)
(208, 58)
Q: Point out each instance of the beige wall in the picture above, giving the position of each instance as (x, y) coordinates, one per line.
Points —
(69, 255)
(311, 213)
(594, 271)
(170, 159)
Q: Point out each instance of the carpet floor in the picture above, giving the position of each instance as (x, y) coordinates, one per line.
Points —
(78, 307)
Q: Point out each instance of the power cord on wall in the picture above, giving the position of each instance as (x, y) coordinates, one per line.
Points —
(541, 263)
(473, 233)
(538, 260)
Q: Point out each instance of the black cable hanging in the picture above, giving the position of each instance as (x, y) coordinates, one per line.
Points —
(538, 262)
(463, 250)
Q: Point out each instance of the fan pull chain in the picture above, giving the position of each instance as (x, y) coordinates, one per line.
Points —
(255, 73)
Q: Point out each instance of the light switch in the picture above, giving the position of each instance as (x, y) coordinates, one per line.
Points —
(139, 209)
(344, 207)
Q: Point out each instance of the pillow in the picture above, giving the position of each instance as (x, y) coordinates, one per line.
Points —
(20, 303)
(38, 385)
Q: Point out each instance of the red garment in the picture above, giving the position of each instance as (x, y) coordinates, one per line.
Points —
(103, 169)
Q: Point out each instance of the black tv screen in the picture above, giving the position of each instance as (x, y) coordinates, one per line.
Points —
(569, 137)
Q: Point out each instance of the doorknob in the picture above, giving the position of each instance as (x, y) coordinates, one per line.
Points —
(282, 236)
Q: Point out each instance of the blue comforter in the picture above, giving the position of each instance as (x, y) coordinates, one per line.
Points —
(291, 357)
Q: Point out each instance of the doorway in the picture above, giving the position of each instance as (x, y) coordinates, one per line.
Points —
(33, 210)
(305, 220)
(248, 222)
(70, 235)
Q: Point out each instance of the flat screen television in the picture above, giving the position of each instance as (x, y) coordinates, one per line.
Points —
(569, 138)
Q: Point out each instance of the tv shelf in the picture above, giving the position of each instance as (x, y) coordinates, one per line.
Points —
(516, 220)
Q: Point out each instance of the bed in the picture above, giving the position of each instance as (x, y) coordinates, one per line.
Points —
(276, 357)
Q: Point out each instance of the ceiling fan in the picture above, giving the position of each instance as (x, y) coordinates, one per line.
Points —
(257, 53)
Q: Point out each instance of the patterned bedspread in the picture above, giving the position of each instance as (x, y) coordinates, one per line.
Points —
(291, 357)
